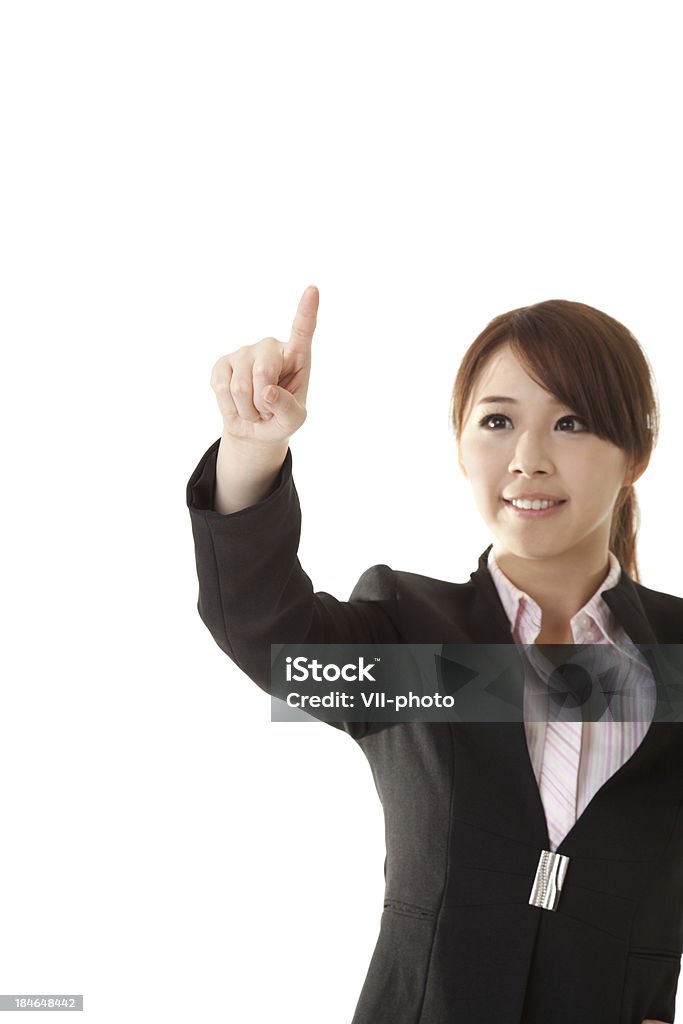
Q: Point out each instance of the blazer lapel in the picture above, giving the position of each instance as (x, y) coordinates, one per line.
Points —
(624, 602)
(489, 618)
(490, 625)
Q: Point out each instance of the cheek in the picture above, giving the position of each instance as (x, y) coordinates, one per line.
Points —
(484, 478)
(596, 475)
(479, 458)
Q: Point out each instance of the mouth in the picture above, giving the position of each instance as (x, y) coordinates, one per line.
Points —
(534, 513)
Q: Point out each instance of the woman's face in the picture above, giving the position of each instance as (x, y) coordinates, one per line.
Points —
(533, 443)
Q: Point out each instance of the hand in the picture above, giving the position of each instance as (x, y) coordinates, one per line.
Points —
(648, 1021)
(245, 379)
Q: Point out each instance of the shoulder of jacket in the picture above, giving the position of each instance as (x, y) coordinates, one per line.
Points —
(379, 580)
(376, 584)
(413, 580)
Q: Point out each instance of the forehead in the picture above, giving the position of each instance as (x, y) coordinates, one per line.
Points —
(504, 378)
(503, 368)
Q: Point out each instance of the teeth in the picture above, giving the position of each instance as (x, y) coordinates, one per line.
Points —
(534, 504)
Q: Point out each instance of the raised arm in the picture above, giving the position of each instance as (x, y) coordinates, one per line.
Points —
(246, 518)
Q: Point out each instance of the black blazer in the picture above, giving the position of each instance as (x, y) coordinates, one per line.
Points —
(465, 825)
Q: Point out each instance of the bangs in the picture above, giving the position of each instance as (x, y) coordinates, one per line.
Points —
(587, 360)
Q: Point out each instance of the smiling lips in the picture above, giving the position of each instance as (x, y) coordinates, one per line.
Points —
(534, 507)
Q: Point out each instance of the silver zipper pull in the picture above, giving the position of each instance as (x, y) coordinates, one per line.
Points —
(550, 873)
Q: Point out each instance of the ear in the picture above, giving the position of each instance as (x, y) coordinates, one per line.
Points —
(634, 472)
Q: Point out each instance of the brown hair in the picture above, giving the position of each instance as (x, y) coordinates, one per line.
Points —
(595, 365)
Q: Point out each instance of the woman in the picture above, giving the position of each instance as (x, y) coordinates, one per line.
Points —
(552, 403)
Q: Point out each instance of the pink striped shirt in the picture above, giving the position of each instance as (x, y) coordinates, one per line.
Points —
(605, 744)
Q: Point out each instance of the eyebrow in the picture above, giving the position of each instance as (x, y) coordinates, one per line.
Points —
(511, 401)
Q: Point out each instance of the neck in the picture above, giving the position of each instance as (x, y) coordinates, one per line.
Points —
(560, 585)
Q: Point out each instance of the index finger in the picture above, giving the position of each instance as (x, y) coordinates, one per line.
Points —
(304, 322)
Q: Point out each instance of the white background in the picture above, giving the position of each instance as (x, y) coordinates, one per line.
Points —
(173, 176)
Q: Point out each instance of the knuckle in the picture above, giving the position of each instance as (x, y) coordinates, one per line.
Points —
(240, 385)
(266, 369)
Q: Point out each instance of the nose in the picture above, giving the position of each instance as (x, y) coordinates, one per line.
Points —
(530, 456)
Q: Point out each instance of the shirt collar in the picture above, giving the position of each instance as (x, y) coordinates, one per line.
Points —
(595, 611)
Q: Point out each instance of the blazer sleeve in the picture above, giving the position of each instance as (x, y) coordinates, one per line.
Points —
(253, 591)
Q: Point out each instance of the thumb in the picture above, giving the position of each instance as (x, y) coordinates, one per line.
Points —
(284, 406)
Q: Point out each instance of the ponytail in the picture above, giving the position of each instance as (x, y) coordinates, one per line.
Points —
(624, 531)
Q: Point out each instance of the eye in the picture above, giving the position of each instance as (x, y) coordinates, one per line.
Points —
(578, 419)
(486, 421)
(492, 416)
